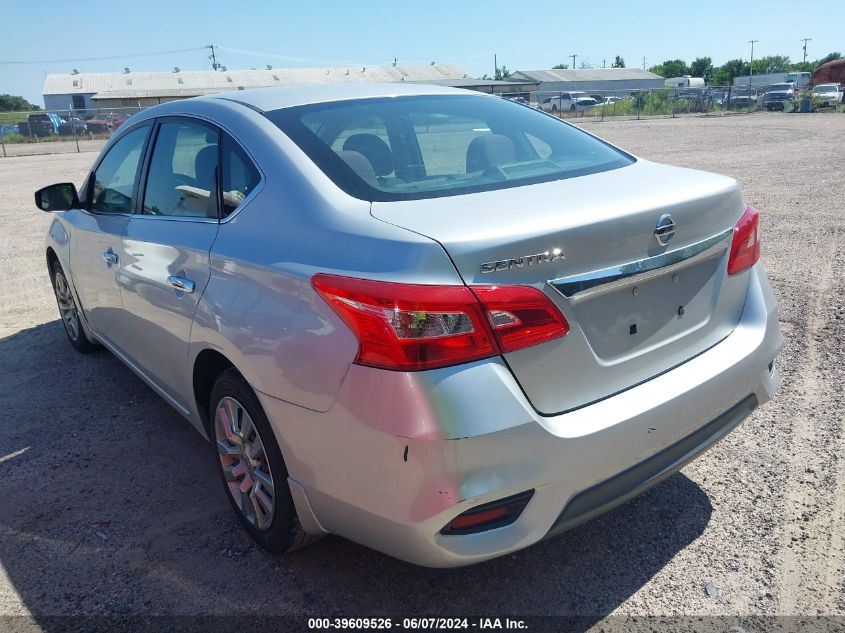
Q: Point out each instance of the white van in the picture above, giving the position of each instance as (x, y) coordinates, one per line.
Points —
(685, 82)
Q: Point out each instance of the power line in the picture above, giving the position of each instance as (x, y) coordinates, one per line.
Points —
(96, 59)
(334, 62)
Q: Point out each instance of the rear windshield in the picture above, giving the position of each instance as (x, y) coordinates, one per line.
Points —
(407, 148)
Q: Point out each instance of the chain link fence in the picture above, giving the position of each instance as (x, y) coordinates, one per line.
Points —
(639, 104)
(59, 131)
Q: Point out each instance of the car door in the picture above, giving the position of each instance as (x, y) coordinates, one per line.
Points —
(166, 248)
(96, 230)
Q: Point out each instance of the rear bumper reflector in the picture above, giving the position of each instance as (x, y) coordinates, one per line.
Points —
(489, 516)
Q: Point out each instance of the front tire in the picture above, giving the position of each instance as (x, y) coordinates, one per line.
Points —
(252, 468)
(69, 312)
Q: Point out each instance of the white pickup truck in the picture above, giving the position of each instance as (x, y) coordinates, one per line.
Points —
(568, 101)
(830, 94)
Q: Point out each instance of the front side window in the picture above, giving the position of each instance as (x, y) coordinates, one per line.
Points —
(240, 175)
(114, 179)
(407, 148)
(183, 171)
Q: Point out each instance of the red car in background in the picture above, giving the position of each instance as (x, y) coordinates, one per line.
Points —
(106, 123)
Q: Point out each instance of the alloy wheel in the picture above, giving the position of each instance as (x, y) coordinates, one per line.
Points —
(244, 462)
(67, 307)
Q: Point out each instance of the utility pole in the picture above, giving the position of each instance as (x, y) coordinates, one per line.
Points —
(603, 63)
(213, 57)
(573, 61)
(643, 63)
(751, 65)
(805, 40)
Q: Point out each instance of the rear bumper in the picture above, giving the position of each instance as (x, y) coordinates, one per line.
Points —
(400, 455)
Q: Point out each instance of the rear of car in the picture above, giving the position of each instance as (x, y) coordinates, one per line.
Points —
(608, 321)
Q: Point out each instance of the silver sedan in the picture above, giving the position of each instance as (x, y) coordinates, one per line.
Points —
(432, 321)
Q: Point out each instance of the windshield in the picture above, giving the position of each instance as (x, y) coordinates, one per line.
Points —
(406, 148)
(781, 87)
(579, 95)
(824, 89)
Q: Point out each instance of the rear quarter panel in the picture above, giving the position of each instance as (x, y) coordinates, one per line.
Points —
(259, 309)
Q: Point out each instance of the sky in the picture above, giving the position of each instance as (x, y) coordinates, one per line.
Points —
(524, 35)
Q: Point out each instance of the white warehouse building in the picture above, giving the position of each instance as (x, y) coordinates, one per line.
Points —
(80, 91)
(608, 81)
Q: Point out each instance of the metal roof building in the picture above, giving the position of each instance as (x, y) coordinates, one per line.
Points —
(83, 91)
(620, 81)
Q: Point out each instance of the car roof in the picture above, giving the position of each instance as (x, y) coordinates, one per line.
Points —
(267, 99)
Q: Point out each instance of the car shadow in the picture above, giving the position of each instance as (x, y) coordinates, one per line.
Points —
(111, 505)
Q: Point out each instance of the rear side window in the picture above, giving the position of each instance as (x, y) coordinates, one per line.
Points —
(407, 148)
(114, 179)
(240, 175)
(183, 171)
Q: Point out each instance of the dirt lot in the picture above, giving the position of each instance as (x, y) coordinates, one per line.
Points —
(110, 503)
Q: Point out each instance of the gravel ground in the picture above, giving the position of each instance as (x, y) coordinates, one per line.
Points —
(110, 502)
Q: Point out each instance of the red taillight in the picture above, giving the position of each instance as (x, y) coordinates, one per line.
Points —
(412, 327)
(520, 316)
(407, 326)
(745, 248)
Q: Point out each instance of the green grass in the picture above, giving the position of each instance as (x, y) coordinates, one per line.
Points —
(12, 118)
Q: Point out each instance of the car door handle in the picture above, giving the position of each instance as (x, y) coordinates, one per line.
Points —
(110, 257)
(181, 283)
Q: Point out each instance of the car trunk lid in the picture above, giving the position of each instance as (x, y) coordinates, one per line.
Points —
(636, 307)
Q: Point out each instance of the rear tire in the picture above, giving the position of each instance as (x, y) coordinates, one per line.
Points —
(251, 467)
(69, 313)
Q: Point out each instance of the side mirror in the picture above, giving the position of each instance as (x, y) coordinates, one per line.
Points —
(60, 197)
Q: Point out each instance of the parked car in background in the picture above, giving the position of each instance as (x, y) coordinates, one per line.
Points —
(6, 130)
(568, 101)
(601, 99)
(41, 124)
(718, 97)
(429, 320)
(105, 123)
(830, 94)
(73, 126)
(742, 98)
(779, 97)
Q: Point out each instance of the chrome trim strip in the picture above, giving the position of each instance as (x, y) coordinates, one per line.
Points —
(579, 287)
(195, 219)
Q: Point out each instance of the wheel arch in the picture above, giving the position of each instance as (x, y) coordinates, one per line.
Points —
(52, 258)
(208, 366)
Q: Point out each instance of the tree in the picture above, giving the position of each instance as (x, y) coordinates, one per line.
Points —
(671, 68)
(724, 74)
(828, 58)
(585, 64)
(11, 103)
(560, 67)
(701, 67)
(771, 64)
(619, 62)
(502, 73)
